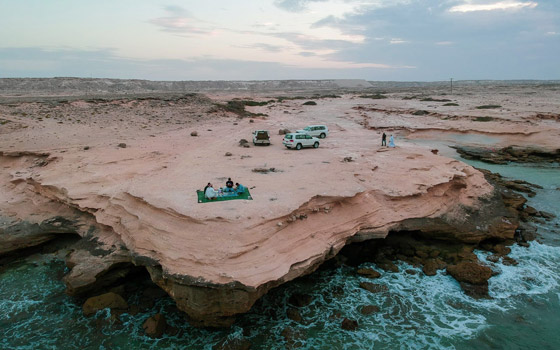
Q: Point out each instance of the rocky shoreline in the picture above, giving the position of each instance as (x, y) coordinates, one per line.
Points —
(97, 271)
(121, 174)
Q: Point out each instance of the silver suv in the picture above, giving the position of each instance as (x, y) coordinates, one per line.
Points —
(315, 130)
(299, 140)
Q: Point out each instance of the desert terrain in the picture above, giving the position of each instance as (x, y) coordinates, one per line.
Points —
(121, 169)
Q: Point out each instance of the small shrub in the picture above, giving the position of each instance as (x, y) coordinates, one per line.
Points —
(483, 119)
(310, 103)
(488, 107)
(429, 99)
(451, 104)
(421, 112)
(374, 97)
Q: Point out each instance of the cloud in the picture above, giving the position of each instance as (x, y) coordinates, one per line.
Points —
(307, 54)
(266, 47)
(444, 43)
(179, 20)
(501, 5)
(294, 5)
(396, 41)
(33, 62)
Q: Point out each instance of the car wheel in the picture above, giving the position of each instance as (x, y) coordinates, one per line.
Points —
(316, 145)
(298, 146)
(322, 135)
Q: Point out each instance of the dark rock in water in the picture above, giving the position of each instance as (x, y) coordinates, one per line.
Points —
(501, 249)
(100, 302)
(369, 273)
(506, 260)
(233, 344)
(300, 300)
(374, 288)
(349, 325)
(477, 291)
(388, 266)
(547, 215)
(294, 338)
(369, 309)
(470, 272)
(294, 315)
(493, 258)
(154, 327)
(432, 265)
(509, 154)
(411, 272)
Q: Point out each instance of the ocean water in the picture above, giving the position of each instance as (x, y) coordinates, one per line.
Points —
(416, 311)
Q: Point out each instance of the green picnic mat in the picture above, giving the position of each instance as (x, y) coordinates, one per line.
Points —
(244, 195)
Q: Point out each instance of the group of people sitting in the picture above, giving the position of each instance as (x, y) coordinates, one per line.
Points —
(211, 193)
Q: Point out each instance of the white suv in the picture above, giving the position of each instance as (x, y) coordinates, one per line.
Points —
(299, 140)
(315, 130)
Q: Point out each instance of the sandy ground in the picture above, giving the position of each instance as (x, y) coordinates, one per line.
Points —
(147, 191)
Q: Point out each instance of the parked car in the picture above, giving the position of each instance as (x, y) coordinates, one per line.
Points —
(261, 137)
(299, 140)
(315, 130)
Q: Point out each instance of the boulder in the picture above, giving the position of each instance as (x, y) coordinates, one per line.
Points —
(294, 315)
(374, 288)
(369, 309)
(154, 327)
(369, 273)
(470, 272)
(349, 325)
(108, 300)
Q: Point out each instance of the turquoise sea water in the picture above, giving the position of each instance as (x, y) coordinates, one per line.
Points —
(417, 311)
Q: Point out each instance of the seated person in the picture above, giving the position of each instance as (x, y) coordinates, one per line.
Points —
(210, 192)
(239, 188)
(229, 185)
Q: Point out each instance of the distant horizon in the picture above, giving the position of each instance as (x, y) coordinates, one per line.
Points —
(375, 40)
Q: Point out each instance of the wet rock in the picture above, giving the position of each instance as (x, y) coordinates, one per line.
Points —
(501, 249)
(233, 344)
(506, 260)
(294, 338)
(369, 309)
(294, 315)
(300, 300)
(154, 326)
(547, 215)
(349, 325)
(369, 273)
(470, 272)
(373, 287)
(432, 265)
(100, 302)
(388, 266)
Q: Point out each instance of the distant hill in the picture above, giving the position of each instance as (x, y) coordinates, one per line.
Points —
(78, 86)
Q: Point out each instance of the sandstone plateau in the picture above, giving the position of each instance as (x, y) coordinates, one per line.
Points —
(122, 172)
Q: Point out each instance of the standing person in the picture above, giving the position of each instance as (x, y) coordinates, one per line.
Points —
(391, 141)
(384, 140)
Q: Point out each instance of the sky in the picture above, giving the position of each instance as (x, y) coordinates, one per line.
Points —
(398, 40)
